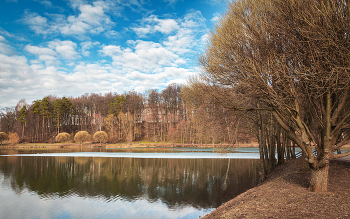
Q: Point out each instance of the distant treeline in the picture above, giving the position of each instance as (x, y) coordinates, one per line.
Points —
(176, 114)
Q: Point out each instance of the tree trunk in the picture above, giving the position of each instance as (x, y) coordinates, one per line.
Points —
(43, 128)
(58, 125)
(262, 170)
(23, 131)
(319, 179)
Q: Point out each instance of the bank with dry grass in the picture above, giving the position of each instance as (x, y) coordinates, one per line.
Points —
(285, 194)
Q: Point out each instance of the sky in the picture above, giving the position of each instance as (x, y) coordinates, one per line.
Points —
(72, 47)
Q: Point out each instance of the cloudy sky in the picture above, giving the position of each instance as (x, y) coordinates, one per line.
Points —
(72, 47)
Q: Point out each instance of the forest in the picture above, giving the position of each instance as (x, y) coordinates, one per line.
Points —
(172, 116)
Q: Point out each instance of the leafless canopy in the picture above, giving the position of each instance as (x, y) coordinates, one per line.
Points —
(294, 57)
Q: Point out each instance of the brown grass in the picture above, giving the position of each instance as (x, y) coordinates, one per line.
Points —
(285, 194)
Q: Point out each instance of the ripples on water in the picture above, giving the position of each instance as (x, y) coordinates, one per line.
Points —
(115, 187)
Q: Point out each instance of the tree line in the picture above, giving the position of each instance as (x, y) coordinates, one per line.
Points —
(176, 114)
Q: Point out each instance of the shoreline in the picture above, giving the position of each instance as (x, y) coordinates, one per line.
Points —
(123, 145)
(285, 194)
(130, 146)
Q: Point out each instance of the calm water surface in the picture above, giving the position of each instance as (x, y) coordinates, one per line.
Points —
(121, 183)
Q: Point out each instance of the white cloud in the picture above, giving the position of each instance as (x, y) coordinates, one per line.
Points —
(46, 55)
(181, 33)
(37, 23)
(193, 19)
(93, 15)
(112, 34)
(144, 56)
(76, 3)
(171, 2)
(111, 50)
(5, 33)
(40, 50)
(47, 3)
(85, 46)
(5, 48)
(56, 49)
(216, 17)
(215, 2)
(91, 19)
(65, 48)
(153, 24)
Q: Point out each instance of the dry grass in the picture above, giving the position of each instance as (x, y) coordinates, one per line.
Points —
(285, 194)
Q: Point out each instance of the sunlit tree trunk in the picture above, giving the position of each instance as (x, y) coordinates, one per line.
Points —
(319, 179)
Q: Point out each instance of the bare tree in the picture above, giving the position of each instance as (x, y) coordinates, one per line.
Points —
(294, 57)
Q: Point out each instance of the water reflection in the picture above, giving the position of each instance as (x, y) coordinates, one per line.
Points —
(177, 183)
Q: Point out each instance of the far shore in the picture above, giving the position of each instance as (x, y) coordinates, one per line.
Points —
(128, 145)
(123, 145)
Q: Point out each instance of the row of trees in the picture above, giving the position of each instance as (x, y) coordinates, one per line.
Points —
(82, 136)
(177, 114)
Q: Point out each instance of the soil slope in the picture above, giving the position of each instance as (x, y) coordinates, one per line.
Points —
(285, 194)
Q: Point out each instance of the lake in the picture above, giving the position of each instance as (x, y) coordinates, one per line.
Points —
(122, 183)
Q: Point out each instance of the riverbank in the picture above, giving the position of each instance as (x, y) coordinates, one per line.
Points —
(285, 194)
(123, 145)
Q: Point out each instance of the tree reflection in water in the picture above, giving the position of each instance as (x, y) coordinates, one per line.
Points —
(201, 183)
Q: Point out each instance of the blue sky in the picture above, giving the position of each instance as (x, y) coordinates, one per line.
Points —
(72, 47)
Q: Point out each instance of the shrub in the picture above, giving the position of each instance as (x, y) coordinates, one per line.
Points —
(82, 136)
(13, 138)
(101, 137)
(62, 137)
(3, 136)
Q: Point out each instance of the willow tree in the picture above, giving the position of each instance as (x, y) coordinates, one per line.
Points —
(3, 137)
(62, 137)
(294, 57)
(100, 136)
(81, 137)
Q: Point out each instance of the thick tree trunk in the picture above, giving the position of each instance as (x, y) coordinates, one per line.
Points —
(319, 179)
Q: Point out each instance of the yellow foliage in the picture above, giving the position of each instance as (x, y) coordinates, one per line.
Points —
(13, 138)
(82, 136)
(101, 137)
(62, 137)
(3, 136)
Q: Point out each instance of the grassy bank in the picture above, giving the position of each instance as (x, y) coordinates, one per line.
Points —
(120, 145)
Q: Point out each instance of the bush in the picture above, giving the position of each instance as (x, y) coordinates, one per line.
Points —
(82, 136)
(13, 138)
(101, 137)
(62, 137)
(3, 136)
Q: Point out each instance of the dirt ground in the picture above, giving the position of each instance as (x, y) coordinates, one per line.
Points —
(285, 194)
